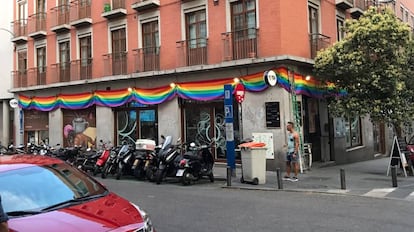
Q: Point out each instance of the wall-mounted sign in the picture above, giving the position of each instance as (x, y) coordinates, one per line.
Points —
(14, 103)
(272, 114)
(270, 78)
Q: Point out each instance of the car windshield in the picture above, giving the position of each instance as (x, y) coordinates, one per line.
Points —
(38, 187)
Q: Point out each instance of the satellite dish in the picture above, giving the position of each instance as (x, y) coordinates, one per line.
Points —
(270, 78)
(14, 103)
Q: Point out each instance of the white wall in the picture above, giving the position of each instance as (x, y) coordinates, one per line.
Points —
(6, 48)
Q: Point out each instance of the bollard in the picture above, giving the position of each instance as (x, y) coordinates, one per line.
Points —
(394, 176)
(279, 179)
(229, 173)
(342, 174)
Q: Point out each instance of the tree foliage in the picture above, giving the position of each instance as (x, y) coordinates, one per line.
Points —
(374, 63)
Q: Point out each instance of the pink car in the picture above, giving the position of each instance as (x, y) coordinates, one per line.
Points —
(45, 194)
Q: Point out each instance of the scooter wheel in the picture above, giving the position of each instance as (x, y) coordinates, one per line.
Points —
(242, 180)
(211, 177)
(255, 181)
(186, 178)
(95, 170)
(158, 177)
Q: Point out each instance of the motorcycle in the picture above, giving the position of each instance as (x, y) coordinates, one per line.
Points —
(197, 162)
(169, 158)
(104, 155)
(86, 160)
(118, 161)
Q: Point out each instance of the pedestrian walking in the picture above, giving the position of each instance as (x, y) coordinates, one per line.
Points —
(292, 156)
(3, 219)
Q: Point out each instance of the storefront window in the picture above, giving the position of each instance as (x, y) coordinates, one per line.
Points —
(205, 122)
(353, 132)
(135, 121)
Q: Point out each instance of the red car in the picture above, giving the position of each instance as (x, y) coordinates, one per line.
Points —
(45, 194)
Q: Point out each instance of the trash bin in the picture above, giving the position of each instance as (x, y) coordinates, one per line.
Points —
(253, 165)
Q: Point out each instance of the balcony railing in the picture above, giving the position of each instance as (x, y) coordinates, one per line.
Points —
(240, 44)
(37, 25)
(19, 79)
(115, 63)
(19, 28)
(81, 69)
(60, 18)
(37, 76)
(147, 59)
(80, 13)
(61, 72)
(114, 10)
(317, 42)
(192, 52)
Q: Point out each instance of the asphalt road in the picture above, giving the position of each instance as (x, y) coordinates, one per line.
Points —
(207, 207)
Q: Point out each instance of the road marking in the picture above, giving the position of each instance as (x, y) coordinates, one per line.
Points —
(379, 192)
(410, 197)
(338, 191)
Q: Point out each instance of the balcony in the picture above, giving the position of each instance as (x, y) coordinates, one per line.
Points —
(344, 4)
(37, 76)
(61, 72)
(115, 10)
(80, 13)
(19, 79)
(115, 64)
(81, 69)
(240, 44)
(19, 29)
(142, 5)
(60, 19)
(147, 59)
(192, 52)
(318, 42)
(37, 25)
(359, 7)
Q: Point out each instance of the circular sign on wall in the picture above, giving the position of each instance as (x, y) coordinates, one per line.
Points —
(13, 103)
(270, 78)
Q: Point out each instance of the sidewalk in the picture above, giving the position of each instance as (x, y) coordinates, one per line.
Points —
(360, 176)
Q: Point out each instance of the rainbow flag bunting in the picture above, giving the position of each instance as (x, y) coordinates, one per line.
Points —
(198, 90)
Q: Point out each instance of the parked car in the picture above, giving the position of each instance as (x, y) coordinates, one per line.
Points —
(41, 193)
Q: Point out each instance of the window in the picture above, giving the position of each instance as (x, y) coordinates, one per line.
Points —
(243, 19)
(41, 6)
(151, 46)
(340, 34)
(353, 132)
(41, 59)
(22, 13)
(313, 19)
(196, 37)
(64, 59)
(119, 51)
(196, 29)
(85, 57)
(22, 62)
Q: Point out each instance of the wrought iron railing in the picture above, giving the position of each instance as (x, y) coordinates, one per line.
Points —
(19, 78)
(80, 9)
(60, 15)
(61, 71)
(115, 63)
(19, 28)
(147, 59)
(240, 44)
(317, 42)
(81, 69)
(37, 22)
(37, 75)
(192, 52)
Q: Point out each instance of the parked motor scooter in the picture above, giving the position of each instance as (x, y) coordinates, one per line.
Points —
(103, 156)
(197, 162)
(169, 158)
(87, 159)
(144, 150)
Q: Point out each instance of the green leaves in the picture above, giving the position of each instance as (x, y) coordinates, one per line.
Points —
(375, 64)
